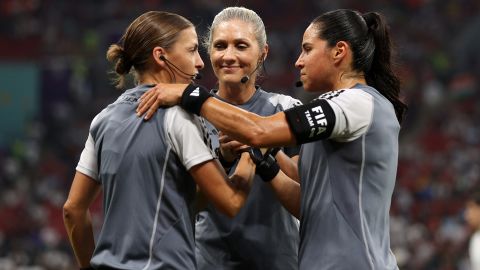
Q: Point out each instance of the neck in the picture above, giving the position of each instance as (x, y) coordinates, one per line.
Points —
(158, 77)
(237, 93)
(348, 80)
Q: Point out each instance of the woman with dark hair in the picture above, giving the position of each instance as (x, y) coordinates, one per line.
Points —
(472, 217)
(149, 171)
(349, 155)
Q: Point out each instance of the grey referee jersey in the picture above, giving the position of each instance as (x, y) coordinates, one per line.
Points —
(148, 193)
(263, 235)
(346, 190)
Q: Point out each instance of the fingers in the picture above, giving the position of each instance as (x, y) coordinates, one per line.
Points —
(146, 100)
(224, 138)
(237, 146)
(153, 108)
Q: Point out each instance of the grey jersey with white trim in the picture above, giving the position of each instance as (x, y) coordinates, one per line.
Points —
(346, 190)
(263, 235)
(148, 193)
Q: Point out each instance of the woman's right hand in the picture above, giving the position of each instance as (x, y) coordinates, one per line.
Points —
(165, 95)
(229, 148)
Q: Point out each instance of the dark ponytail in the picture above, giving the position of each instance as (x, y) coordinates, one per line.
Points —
(380, 75)
(369, 39)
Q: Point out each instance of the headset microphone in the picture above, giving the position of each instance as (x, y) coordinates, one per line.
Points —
(299, 84)
(196, 76)
(245, 78)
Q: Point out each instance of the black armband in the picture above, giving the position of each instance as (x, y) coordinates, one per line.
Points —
(312, 121)
(193, 98)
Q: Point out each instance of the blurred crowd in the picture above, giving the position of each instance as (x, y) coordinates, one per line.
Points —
(438, 58)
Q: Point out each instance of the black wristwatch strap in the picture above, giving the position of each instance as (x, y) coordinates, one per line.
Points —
(268, 168)
(273, 151)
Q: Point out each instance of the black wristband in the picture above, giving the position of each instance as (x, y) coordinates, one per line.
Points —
(273, 151)
(268, 168)
(87, 268)
(193, 98)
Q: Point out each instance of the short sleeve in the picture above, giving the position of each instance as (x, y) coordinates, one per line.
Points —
(88, 163)
(187, 137)
(285, 102)
(353, 110)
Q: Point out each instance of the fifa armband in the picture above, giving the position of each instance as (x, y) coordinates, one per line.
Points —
(193, 98)
(312, 121)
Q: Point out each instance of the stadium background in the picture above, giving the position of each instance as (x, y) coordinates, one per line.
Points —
(53, 80)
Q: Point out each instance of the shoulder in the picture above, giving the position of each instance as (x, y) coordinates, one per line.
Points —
(176, 113)
(353, 100)
(284, 101)
(350, 94)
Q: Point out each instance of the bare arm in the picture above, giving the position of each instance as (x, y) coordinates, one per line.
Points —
(76, 217)
(227, 195)
(241, 125)
(248, 127)
(287, 192)
(288, 165)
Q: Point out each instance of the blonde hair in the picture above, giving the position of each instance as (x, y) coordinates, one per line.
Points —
(242, 14)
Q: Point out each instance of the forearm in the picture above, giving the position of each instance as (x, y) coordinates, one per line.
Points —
(227, 195)
(288, 165)
(242, 177)
(288, 193)
(80, 233)
(247, 127)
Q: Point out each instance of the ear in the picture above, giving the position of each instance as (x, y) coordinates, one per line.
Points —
(263, 57)
(340, 51)
(156, 53)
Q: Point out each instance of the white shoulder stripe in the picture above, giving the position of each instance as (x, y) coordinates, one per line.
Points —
(285, 101)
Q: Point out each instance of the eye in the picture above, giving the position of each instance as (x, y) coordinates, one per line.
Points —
(242, 46)
(219, 46)
(306, 48)
(193, 49)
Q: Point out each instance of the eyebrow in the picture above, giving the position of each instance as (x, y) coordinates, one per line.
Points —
(236, 40)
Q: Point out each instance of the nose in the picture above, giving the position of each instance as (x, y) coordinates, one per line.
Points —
(229, 54)
(299, 63)
(199, 62)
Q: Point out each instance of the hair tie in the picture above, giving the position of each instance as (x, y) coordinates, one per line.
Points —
(370, 21)
(126, 62)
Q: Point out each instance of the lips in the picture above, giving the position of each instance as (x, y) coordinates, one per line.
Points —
(229, 69)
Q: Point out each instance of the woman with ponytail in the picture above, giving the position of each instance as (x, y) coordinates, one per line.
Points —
(349, 136)
(149, 171)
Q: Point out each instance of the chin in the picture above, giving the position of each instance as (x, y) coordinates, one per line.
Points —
(230, 80)
(309, 88)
